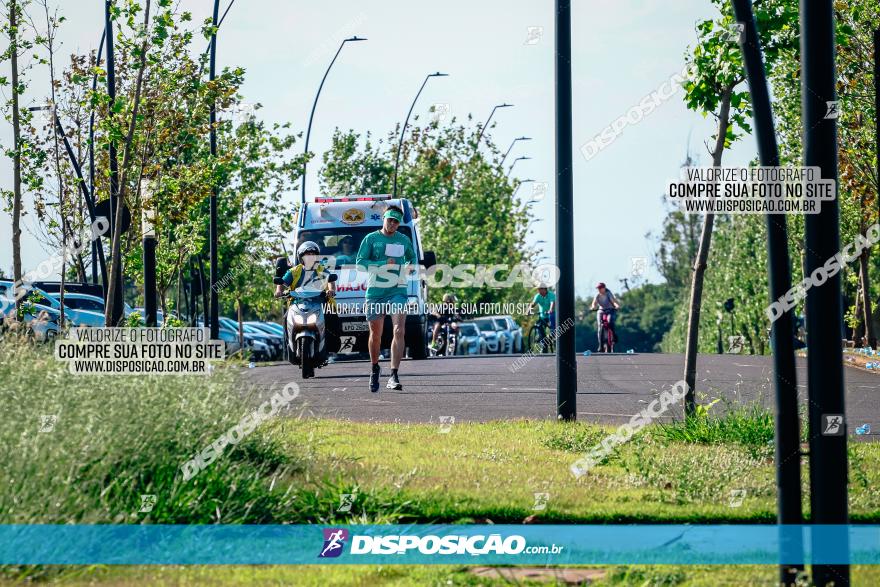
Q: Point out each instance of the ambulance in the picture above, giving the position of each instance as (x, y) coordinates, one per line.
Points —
(339, 225)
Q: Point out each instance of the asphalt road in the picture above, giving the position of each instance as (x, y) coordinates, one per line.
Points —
(610, 389)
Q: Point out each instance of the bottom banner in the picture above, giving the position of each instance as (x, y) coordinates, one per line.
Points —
(438, 544)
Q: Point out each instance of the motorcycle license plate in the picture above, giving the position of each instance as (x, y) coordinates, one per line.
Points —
(355, 327)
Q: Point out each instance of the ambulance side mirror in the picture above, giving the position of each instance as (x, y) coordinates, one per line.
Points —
(429, 259)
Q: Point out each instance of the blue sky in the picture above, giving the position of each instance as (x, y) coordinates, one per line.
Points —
(622, 51)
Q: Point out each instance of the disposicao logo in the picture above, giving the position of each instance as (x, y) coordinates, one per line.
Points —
(334, 542)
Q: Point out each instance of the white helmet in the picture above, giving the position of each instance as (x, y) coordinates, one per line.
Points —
(307, 247)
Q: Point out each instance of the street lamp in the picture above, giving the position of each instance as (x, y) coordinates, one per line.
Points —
(512, 143)
(522, 181)
(406, 122)
(514, 162)
(315, 104)
(486, 125)
(482, 130)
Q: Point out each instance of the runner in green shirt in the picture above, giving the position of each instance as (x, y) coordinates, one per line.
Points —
(389, 250)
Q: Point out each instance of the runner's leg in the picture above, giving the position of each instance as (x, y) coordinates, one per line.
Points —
(375, 338)
(397, 344)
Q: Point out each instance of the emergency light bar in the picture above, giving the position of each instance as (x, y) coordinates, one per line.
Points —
(353, 199)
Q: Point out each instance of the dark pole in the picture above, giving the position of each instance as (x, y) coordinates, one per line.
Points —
(405, 123)
(205, 310)
(114, 169)
(215, 310)
(150, 278)
(149, 242)
(96, 243)
(566, 368)
(828, 458)
(485, 126)
(510, 148)
(315, 105)
(90, 202)
(788, 461)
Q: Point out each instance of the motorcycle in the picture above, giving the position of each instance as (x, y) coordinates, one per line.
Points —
(305, 329)
(447, 341)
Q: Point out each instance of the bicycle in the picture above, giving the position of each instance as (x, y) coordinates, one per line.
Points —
(538, 337)
(607, 343)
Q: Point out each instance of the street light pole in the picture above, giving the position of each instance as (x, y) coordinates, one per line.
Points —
(96, 243)
(825, 377)
(116, 264)
(512, 143)
(566, 366)
(406, 122)
(491, 114)
(514, 163)
(215, 310)
(315, 105)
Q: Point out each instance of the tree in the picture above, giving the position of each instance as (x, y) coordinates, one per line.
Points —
(13, 112)
(713, 76)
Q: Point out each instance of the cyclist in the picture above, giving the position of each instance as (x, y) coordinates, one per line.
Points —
(448, 313)
(546, 302)
(606, 303)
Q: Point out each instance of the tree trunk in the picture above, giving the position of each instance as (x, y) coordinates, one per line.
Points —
(693, 331)
(864, 282)
(16, 153)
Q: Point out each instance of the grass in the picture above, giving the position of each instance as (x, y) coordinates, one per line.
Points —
(491, 471)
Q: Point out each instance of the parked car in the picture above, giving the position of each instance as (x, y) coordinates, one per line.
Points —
(88, 302)
(274, 342)
(511, 332)
(470, 341)
(489, 332)
(42, 324)
(267, 327)
(40, 298)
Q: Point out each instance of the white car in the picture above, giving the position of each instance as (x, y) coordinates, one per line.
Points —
(489, 332)
(511, 332)
(42, 298)
(470, 341)
(88, 302)
(42, 324)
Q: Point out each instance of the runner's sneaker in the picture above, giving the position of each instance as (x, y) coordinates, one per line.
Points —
(374, 379)
(394, 382)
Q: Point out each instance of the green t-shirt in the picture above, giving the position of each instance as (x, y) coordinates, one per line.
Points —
(543, 302)
(374, 253)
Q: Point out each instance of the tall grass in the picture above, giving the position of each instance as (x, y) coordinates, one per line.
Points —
(117, 438)
(750, 426)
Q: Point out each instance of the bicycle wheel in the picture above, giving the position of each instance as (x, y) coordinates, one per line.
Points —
(533, 338)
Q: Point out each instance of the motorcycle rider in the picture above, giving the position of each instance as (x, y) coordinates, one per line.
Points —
(448, 313)
(606, 303)
(307, 278)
